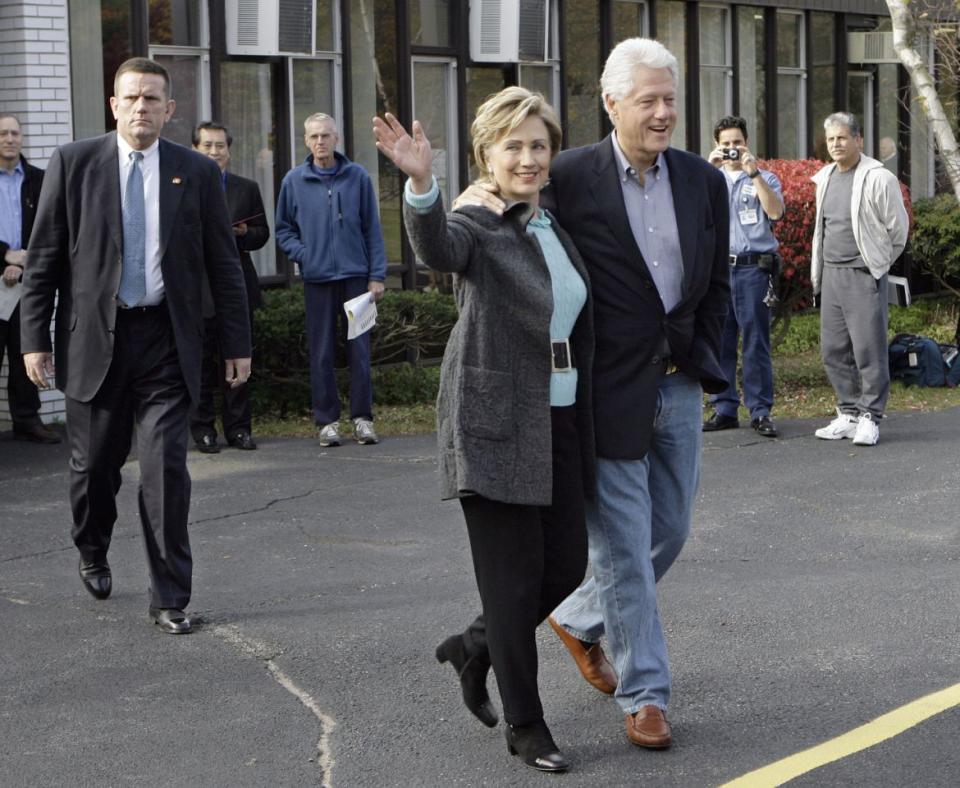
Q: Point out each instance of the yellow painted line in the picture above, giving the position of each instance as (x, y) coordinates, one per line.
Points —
(882, 728)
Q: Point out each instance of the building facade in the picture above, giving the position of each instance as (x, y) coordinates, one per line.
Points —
(262, 66)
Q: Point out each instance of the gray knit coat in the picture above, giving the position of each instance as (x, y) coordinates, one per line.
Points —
(493, 409)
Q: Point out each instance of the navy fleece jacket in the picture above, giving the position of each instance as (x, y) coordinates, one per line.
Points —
(328, 224)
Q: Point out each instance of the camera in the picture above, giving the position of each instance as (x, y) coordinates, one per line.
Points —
(731, 154)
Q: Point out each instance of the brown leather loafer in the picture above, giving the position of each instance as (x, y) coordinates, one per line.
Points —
(591, 660)
(649, 728)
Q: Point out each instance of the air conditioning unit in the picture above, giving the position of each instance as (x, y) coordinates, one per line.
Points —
(509, 31)
(270, 27)
(871, 47)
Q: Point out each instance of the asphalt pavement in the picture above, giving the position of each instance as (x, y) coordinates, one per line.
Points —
(819, 590)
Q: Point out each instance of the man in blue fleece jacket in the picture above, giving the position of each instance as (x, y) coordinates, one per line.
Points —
(327, 223)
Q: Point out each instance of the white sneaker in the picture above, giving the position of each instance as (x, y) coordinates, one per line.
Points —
(844, 426)
(330, 434)
(363, 431)
(867, 431)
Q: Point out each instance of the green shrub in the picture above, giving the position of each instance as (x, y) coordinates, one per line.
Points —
(935, 243)
(407, 322)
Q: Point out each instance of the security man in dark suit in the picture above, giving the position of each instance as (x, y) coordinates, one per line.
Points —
(251, 231)
(128, 227)
(20, 184)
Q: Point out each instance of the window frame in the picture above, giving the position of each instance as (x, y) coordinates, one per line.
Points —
(799, 71)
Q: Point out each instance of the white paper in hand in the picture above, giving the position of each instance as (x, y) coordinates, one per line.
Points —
(361, 315)
(9, 298)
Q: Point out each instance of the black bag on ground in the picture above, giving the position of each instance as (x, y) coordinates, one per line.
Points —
(919, 361)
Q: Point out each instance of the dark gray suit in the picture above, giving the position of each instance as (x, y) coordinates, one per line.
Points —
(118, 367)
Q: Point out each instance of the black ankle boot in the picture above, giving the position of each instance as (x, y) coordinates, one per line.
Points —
(535, 745)
(472, 671)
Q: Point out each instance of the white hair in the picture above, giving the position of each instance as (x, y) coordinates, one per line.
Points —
(319, 117)
(847, 119)
(619, 74)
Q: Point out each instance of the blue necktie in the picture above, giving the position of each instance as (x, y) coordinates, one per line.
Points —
(133, 279)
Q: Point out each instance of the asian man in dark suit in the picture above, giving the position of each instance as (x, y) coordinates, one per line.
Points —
(127, 228)
(651, 223)
(251, 231)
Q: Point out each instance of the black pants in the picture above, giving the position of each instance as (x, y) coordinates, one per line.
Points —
(236, 401)
(527, 560)
(23, 397)
(144, 386)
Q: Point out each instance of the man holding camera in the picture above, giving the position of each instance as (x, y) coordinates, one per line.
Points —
(756, 200)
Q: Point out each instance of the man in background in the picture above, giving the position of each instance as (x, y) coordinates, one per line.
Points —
(20, 184)
(861, 229)
(327, 223)
(756, 200)
(251, 232)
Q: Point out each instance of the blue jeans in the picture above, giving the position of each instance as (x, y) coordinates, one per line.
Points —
(636, 527)
(324, 308)
(747, 318)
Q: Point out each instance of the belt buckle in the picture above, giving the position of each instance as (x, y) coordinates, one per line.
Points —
(733, 259)
(561, 360)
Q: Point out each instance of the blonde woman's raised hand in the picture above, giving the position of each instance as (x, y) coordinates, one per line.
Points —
(411, 154)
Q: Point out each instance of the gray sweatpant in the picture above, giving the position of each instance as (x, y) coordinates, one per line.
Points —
(853, 338)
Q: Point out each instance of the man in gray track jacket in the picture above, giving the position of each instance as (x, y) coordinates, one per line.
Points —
(861, 229)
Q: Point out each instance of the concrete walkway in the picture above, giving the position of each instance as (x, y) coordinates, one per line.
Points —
(820, 589)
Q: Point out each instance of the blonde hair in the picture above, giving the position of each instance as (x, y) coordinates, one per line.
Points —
(501, 113)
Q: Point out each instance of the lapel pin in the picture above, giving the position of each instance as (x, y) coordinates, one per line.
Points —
(177, 180)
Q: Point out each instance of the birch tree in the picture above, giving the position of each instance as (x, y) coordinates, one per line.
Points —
(909, 17)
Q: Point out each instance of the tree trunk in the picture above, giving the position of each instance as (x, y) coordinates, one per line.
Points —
(904, 34)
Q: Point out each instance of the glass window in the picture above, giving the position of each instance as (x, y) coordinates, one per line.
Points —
(482, 82)
(248, 111)
(791, 101)
(434, 106)
(751, 78)
(313, 91)
(430, 22)
(542, 79)
(824, 73)
(176, 22)
(187, 79)
(860, 102)
(86, 69)
(373, 91)
(716, 75)
(672, 32)
(326, 27)
(888, 116)
(581, 45)
(629, 18)
(117, 47)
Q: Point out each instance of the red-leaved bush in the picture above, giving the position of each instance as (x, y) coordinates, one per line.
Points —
(795, 230)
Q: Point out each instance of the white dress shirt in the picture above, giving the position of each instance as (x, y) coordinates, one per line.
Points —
(150, 169)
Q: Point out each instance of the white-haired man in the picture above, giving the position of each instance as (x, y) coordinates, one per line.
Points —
(652, 225)
(860, 230)
(327, 223)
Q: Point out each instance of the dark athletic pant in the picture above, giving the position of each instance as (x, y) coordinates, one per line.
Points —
(527, 559)
(235, 415)
(144, 386)
(22, 396)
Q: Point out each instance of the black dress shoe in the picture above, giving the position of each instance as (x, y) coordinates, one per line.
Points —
(208, 444)
(720, 422)
(765, 426)
(472, 671)
(241, 439)
(171, 620)
(36, 433)
(96, 578)
(535, 745)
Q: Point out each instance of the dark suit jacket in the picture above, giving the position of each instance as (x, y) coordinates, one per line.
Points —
(76, 251)
(243, 202)
(632, 328)
(29, 197)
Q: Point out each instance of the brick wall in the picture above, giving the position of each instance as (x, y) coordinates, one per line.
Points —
(35, 85)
